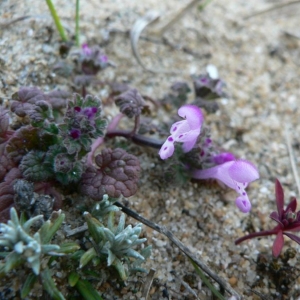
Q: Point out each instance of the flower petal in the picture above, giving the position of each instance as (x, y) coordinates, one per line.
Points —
(179, 128)
(193, 115)
(278, 244)
(243, 204)
(243, 171)
(223, 157)
(167, 148)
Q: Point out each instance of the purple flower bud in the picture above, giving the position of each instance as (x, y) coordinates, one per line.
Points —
(75, 133)
(104, 58)
(86, 49)
(90, 112)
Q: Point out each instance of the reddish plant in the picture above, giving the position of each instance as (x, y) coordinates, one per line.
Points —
(288, 220)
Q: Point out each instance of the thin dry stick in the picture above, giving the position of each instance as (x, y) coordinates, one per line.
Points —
(290, 34)
(275, 7)
(163, 230)
(148, 283)
(174, 19)
(6, 24)
(292, 159)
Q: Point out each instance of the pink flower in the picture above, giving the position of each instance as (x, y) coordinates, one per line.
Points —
(185, 131)
(235, 174)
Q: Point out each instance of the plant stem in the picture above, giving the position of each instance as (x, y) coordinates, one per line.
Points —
(257, 234)
(136, 138)
(57, 21)
(77, 24)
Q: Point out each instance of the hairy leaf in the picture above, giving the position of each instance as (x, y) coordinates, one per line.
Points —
(26, 139)
(131, 103)
(33, 167)
(65, 168)
(207, 87)
(25, 98)
(7, 193)
(6, 163)
(5, 133)
(177, 96)
(118, 174)
(58, 99)
(82, 123)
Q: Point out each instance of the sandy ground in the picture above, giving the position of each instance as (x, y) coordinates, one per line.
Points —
(260, 64)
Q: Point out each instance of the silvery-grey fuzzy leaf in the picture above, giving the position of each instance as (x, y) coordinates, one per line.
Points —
(111, 257)
(25, 246)
(109, 235)
(134, 254)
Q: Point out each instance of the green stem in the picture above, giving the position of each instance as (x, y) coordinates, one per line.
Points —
(202, 5)
(77, 24)
(206, 281)
(57, 21)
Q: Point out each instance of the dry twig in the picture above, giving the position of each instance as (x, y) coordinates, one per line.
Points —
(292, 159)
(163, 230)
(275, 7)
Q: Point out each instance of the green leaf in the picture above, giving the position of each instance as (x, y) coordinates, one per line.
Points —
(33, 167)
(73, 278)
(69, 247)
(28, 285)
(12, 261)
(87, 291)
(120, 268)
(77, 255)
(94, 225)
(206, 281)
(87, 257)
(50, 227)
(2, 270)
(50, 286)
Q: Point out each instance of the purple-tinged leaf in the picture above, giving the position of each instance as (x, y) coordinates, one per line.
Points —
(118, 174)
(279, 198)
(274, 215)
(5, 133)
(58, 99)
(292, 206)
(131, 103)
(7, 193)
(293, 237)
(40, 111)
(26, 139)
(278, 244)
(25, 98)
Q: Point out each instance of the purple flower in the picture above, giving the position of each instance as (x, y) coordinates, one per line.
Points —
(185, 131)
(288, 220)
(235, 174)
(90, 112)
(86, 49)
